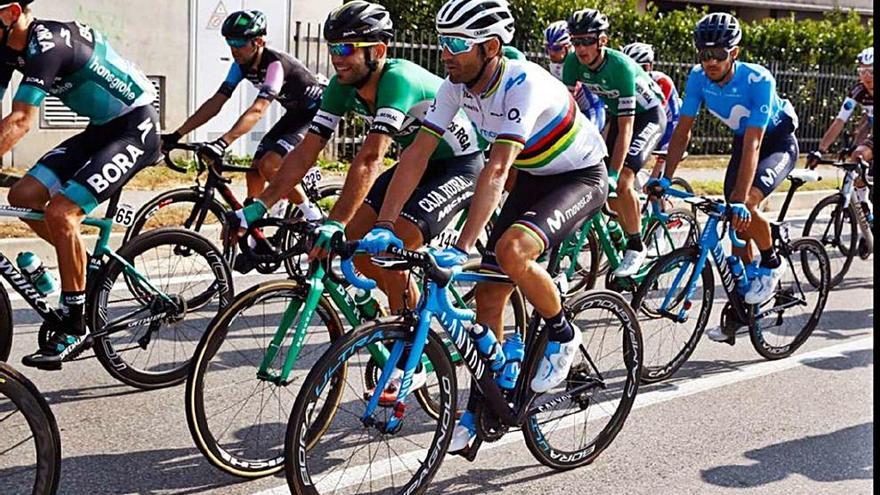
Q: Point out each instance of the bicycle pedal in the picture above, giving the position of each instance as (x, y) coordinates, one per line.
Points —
(469, 453)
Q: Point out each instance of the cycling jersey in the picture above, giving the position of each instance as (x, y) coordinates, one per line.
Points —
(75, 63)
(749, 99)
(512, 53)
(591, 105)
(525, 106)
(280, 77)
(405, 93)
(671, 103)
(622, 84)
(858, 96)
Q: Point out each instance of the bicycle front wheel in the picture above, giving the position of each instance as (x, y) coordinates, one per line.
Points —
(355, 455)
(235, 415)
(835, 227)
(5, 325)
(570, 433)
(30, 445)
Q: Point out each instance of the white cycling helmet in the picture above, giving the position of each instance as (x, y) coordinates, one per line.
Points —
(556, 34)
(866, 57)
(642, 53)
(476, 20)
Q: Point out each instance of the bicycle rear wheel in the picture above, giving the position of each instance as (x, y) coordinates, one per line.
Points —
(353, 456)
(327, 194)
(570, 433)
(5, 324)
(782, 324)
(140, 338)
(237, 418)
(836, 228)
(30, 445)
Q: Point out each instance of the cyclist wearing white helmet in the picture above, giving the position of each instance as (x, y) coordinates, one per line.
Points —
(533, 125)
(557, 43)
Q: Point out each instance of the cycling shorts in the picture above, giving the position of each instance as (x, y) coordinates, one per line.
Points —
(549, 207)
(285, 135)
(91, 166)
(776, 159)
(445, 189)
(648, 130)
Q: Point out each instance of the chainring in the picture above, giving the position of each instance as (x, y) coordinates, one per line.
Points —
(489, 428)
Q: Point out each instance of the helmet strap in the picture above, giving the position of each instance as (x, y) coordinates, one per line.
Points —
(372, 66)
(473, 82)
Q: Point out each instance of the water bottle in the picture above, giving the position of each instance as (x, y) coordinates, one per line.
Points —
(32, 268)
(366, 304)
(514, 351)
(615, 232)
(488, 346)
(736, 267)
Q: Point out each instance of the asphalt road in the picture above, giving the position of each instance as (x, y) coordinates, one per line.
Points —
(728, 422)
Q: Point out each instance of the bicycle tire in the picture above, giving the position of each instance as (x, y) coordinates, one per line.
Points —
(848, 225)
(680, 345)
(208, 441)
(758, 336)
(221, 289)
(5, 324)
(631, 345)
(292, 264)
(43, 427)
(299, 477)
(683, 215)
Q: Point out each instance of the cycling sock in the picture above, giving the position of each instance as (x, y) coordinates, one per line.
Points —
(769, 259)
(310, 212)
(73, 308)
(634, 242)
(862, 194)
(559, 329)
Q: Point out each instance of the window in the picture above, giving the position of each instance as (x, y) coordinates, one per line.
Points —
(55, 114)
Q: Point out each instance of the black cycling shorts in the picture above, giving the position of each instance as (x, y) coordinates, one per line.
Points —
(444, 190)
(648, 130)
(776, 159)
(285, 135)
(549, 207)
(91, 166)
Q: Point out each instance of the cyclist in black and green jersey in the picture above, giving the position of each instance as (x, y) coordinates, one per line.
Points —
(636, 122)
(75, 63)
(393, 96)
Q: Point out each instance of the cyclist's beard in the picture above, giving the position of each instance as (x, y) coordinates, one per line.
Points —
(470, 84)
(372, 65)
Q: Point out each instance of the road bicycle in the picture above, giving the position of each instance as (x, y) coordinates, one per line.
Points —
(146, 303)
(249, 365)
(30, 445)
(199, 208)
(840, 221)
(675, 299)
(368, 447)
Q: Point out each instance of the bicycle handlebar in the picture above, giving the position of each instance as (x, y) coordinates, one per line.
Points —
(200, 166)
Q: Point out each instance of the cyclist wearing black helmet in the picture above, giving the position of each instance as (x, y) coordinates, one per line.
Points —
(393, 95)
(279, 77)
(765, 150)
(75, 63)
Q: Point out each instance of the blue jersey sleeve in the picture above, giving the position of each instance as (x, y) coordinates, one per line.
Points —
(693, 93)
(762, 89)
(234, 77)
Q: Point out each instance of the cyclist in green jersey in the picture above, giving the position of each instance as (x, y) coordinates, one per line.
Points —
(393, 95)
(636, 121)
(75, 63)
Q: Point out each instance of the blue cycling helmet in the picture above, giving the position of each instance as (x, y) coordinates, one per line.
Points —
(556, 34)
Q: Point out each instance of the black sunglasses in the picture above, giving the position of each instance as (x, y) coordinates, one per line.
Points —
(718, 53)
(584, 41)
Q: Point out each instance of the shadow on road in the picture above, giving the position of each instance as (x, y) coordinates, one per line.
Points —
(835, 322)
(846, 454)
(480, 481)
(850, 360)
(696, 369)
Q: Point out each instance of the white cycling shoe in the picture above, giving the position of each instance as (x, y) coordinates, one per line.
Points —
(557, 361)
(764, 285)
(631, 263)
(717, 334)
(463, 433)
(389, 395)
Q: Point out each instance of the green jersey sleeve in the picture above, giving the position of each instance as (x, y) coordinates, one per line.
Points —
(512, 53)
(395, 99)
(570, 69)
(336, 101)
(626, 88)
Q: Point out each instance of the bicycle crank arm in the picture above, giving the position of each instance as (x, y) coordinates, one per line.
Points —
(679, 317)
(470, 453)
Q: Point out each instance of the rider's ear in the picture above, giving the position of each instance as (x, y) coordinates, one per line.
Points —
(380, 50)
(734, 54)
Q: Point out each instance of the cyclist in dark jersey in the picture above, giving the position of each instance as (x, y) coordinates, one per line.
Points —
(75, 63)
(280, 77)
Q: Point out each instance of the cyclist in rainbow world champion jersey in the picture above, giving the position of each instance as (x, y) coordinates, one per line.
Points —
(636, 125)
(557, 44)
(643, 54)
(280, 77)
(393, 95)
(534, 125)
(765, 149)
(75, 63)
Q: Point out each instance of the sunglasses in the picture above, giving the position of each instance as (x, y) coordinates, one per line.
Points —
(555, 48)
(718, 53)
(865, 71)
(237, 42)
(346, 49)
(457, 46)
(590, 41)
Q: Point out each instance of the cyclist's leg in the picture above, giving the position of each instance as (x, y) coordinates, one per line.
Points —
(28, 192)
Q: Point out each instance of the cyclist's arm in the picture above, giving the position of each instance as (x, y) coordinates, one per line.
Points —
(862, 130)
(248, 120)
(360, 177)
(411, 168)
(626, 116)
(748, 164)
(490, 186)
(16, 125)
(294, 167)
(831, 134)
(621, 145)
(678, 143)
(207, 111)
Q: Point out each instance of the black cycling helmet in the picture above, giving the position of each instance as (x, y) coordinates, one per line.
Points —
(587, 21)
(359, 21)
(717, 29)
(244, 24)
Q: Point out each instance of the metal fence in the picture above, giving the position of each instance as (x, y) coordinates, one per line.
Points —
(815, 92)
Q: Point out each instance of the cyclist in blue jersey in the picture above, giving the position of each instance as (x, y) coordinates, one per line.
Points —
(765, 149)
(558, 44)
(75, 63)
